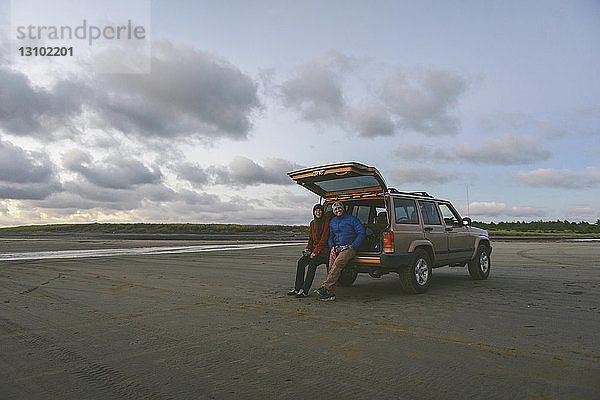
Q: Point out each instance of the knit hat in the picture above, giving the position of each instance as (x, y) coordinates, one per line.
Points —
(336, 205)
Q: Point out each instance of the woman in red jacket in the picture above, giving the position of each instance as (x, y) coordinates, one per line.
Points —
(315, 254)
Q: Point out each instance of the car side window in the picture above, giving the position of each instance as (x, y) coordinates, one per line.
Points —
(362, 213)
(450, 218)
(429, 213)
(406, 211)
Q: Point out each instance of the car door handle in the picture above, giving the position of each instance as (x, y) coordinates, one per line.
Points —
(448, 229)
(429, 229)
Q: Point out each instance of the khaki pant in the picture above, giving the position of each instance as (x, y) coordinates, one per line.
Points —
(336, 264)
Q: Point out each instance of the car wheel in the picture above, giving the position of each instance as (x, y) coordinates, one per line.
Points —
(347, 277)
(479, 267)
(417, 276)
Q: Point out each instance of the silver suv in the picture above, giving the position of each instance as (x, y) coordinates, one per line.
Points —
(408, 233)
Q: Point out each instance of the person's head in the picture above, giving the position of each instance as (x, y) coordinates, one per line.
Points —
(338, 208)
(318, 211)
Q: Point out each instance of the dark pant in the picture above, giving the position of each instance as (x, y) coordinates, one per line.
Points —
(312, 263)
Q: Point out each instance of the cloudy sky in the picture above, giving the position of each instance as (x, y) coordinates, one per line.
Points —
(494, 105)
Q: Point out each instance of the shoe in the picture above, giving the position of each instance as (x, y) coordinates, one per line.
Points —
(292, 292)
(321, 291)
(301, 294)
(327, 297)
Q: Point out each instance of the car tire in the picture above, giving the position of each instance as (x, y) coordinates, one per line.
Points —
(417, 276)
(479, 267)
(347, 277)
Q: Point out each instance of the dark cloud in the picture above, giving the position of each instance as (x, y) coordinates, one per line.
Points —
(371, 121)
(25, 174)
(35, 111)
(244, 171)
(114, 172)
(188, 92)
(84, 195)
(158, 201)
(423, 102)
(192, 173)
(241, 171)
(29, 191)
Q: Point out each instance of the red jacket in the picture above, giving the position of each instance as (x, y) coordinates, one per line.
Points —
(318, 245)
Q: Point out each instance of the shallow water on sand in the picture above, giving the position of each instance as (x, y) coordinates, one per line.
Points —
(66, 254)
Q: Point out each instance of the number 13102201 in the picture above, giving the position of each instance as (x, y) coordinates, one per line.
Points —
(45, 51)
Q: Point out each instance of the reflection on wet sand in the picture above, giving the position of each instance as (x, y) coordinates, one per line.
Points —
(65, 254)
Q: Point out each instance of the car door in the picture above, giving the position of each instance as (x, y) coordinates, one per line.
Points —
(460, 243)
(434, 230)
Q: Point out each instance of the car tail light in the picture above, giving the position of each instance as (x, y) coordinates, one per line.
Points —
(388, 242)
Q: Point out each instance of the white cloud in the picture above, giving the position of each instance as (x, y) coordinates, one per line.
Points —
(506, 150)
(564, 178)
(241, 172)
(584, 211)
(507, 121)
(418, 152)
(494, 209)
(426, 175)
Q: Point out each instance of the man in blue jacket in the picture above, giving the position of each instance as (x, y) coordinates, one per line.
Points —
(346, 233)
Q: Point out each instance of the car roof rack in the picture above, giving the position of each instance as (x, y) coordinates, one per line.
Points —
(422, 194)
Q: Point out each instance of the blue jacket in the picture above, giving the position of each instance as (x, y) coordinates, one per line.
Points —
(345, 230)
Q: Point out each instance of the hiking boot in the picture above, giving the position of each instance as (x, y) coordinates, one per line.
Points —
(301, 294)
(293, 292)
(329, 296)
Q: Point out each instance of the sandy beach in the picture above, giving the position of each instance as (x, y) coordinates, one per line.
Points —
(218, 325)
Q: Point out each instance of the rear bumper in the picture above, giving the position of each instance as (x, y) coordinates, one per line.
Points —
(389, 262)
(395, 260)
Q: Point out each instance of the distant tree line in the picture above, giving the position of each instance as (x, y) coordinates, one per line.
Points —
(157, 228)
(550, 227)
(557, 226)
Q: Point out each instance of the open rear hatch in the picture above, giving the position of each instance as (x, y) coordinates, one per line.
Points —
(341, 181)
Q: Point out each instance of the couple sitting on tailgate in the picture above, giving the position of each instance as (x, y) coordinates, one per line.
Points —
(332, 240)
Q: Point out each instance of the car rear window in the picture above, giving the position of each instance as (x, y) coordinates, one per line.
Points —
(353, 182)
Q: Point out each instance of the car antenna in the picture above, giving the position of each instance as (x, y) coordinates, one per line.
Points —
(468, 203)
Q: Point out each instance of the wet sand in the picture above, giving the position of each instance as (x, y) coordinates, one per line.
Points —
(219, 325)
